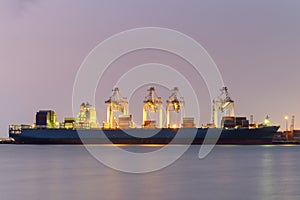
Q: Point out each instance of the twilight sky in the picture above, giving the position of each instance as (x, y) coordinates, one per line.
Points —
(255, 44)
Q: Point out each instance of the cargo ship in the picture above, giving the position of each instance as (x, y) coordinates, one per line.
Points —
(120, 129)
(261, 135)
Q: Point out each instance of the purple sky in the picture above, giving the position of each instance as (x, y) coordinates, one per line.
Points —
(255, 43)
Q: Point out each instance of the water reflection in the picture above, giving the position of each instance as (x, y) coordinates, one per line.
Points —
(229, 172)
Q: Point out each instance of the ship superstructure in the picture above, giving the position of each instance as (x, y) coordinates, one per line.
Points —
(86, 118)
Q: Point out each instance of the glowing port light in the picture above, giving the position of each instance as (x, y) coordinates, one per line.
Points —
(286, 117)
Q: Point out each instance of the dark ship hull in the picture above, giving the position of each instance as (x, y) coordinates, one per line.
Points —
(245, 136)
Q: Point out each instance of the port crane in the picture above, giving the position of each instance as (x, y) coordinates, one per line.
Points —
(292, 126)
(222, 105)
(152, 104)
(175, 104)
(115, 103)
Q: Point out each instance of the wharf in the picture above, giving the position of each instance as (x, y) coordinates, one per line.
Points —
(7, 141)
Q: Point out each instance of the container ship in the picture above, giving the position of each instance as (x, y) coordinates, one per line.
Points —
(120, 129)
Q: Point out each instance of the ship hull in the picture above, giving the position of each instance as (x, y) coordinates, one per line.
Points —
(256, 136)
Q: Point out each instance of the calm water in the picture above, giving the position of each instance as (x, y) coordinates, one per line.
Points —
(229, 172)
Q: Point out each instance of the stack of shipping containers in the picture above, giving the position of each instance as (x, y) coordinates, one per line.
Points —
(125, 121)
(188, 122)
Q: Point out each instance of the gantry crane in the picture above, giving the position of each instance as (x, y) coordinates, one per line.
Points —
(222, 105)
(152, 104)
(175, 104)
(116, 103)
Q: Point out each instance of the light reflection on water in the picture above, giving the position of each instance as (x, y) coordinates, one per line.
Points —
(229, 172)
